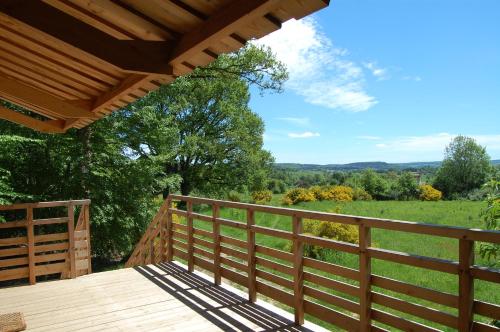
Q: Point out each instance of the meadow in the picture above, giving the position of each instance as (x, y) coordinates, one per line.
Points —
(451, 213)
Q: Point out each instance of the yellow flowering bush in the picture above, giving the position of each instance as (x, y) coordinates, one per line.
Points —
(341, 193)
(429, 193)
(262, 196)
(298, 195)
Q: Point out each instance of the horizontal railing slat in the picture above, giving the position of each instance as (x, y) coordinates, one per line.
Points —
(446, 299)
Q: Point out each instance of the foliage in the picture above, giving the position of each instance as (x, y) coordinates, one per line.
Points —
(262, 196)
(298, 195)
(466, 166)
(407, 187)
(374, 184)
(233, 196)
(330, 230)
(341, 193)
(202, 128)
(491, 218)
(359, 194)
(429, 193)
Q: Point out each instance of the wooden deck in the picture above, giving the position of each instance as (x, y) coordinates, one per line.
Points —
(151, 298)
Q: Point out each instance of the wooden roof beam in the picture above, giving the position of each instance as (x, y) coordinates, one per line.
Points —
(135, 56)
(31, 98)
(48, 126)
(223, 23)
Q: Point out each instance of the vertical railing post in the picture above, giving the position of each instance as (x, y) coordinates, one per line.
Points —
(170, 243)
(71, 235)
(252, 279)
(86, 209)
(152, 247)
(163, 234)
(364, 278)
(298, 270)
(190, 236)
(217, 248)
(30, 234)
(465, 285)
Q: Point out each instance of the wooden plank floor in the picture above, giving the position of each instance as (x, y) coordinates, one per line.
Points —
(150, 298)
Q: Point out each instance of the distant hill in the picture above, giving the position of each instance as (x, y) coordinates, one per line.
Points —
(375, 165)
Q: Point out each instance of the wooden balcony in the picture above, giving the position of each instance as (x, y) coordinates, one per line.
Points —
(155, 292)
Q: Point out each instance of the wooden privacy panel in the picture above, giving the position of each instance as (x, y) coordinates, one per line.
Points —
(352, 298)
(51, 244)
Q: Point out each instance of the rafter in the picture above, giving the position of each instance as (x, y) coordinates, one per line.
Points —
(222, 23)
(139, 56)
(31, 98)
(48, 126)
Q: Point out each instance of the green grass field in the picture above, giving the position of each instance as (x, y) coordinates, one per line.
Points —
(453, 213)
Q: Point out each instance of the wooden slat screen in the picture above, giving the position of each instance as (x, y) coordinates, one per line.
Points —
(63, 248)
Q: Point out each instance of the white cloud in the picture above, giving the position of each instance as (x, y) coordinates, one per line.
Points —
(435, 142)
(304, 122)
(319, 71)
(306, 134)
(370, 138)
(412, 78)
(378, 72)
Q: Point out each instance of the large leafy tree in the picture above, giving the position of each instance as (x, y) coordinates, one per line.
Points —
(466, 166)
(201, 127)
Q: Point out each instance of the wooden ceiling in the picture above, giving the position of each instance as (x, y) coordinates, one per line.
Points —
(74, 61)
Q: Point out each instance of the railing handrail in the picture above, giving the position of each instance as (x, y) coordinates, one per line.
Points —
(46, 204)
(455, 232)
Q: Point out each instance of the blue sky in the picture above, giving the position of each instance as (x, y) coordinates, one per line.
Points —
(385, 80)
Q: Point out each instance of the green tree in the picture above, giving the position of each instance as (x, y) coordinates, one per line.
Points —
(407, 187)
(374, 184)
(466, 166)
(201, 127)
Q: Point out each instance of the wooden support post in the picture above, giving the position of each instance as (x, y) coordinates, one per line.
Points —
(152, 250)
(30, 232)
(71, 234)
(217, 248)
(87, 228)
(252, 279)
(170, 243)
(465, 286)
(298, 271)
(163, 239)
(365, 278)
(190, 236)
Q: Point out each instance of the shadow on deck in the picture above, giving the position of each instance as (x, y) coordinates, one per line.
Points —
(223, 308)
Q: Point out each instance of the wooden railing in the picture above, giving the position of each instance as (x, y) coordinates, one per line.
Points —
(31, 247)
(312, 286)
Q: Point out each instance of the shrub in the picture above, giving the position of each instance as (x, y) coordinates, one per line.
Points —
(491, 217)
(298, 195)
(406, 187)
(317, 191)
(331, 230)
(359, 194)
(233, 196)
(342, 193)
(262, 196)
(286, 200)
(428, 193)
